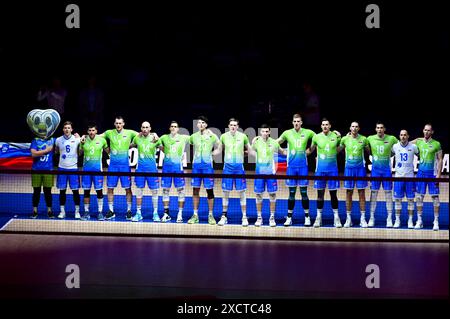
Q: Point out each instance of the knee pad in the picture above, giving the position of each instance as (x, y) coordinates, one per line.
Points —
(410, 203)
(304, 192)
(166, 192)
(320, 194)
(154, 192)
(225, 198)
(388, 195)
(181, 194)
(373, 194)
(99, 193)
(272, 197)
(210, 193)
(435, 201)
(87, 193)
(292, 191)
(259, 198)
(398, 204)
(334, 199)
(139, 192)
(419, 200)
(243, 198)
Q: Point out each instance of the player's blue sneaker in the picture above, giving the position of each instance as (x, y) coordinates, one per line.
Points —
(156, 218)
(137, 217)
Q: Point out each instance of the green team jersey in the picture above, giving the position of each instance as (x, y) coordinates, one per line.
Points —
(381, 151)
(297, 143)
(428, 154)
(354, 150)
(265, 159)
(326, 151)
(119, 145)
(146, 149)
(234, 148)
(92, 153)
(174, 148)
(203, 146)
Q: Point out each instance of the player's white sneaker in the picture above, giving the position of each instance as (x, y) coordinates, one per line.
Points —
(223, 220)
(435, 225)
(77, 216)
(389, 222)
(410, 223)
(308, 221)
(397, 223)
(348, 222)
(272, 222)
(259, 222)
(363, 222)
(318, 222)
(337, 221)
(288, 221)
(179, 218)
(166, 217)
(419, 224)
(371, 222)
(244, 221)
(62, 215)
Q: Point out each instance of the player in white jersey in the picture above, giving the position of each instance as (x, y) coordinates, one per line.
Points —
(67, 147)
(404, 152)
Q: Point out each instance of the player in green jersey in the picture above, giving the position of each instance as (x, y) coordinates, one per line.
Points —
(203, 141)
(354, 145)
(380, 146)
(297, 165)
(146, 143)
(327, 143)
(173, 146)
(430, 166)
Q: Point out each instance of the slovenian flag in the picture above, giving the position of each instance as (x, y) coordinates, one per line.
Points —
(15, 155)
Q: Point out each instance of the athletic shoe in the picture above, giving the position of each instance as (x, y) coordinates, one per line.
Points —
(435, 225)
(259, 222)
(337, 221)
(211, 220)
(77, 216)
(62, 215)
(288, 221)
(166, 217)
(419, 224)
(129, 215)
(363, 223)
(100, 216)
(156, 218)
(318, 222)
(371, 222)
(389, 222)
(193, 219)
(223, 220)
(86, 216)
(50, 214)
(348, 223)
(244, 221)
(179, 218)
(308, 221)
(110, 215)
(410, 223)
(397, 223)
(137, 217)
(272, 222)
(34, 215)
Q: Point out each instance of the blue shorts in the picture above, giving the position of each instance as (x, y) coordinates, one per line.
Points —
(88, 180)
(197, 181)
(404, 188)
(375, 185)
(125, 180)
(355, 172)
(421, 187)
(152, 181)
(166, 182)
(61, 180)
(332, 184)
(239, 183)
(260, 185)
(297, 171)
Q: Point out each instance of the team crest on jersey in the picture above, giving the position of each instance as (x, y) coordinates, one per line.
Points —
(360, 142)
(430, 146)
(332, 140)
(386, 142)
(302, 136)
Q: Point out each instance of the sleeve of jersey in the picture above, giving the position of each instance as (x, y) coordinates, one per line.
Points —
(246, 142)
(342, 143)
(107, 134)
(313, 142)
(105, 144)
(33, 145)
(134, 140)
(133, 134)
(191, 139)
(221, 139)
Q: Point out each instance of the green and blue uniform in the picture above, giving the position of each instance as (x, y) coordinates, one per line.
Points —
(326, 159)
(354, 160)
(92, 161)
(146, 161)
(234, 160)
(428, 165)
(203, 161)
(173, 155)
(265, 164)
(381, 159)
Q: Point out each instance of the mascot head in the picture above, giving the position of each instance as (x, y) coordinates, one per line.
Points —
(43, 123)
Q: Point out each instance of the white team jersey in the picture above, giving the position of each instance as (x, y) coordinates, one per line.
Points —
(68, 151)
(404, 159)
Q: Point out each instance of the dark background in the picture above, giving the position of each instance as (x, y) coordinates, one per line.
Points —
(225, 59)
